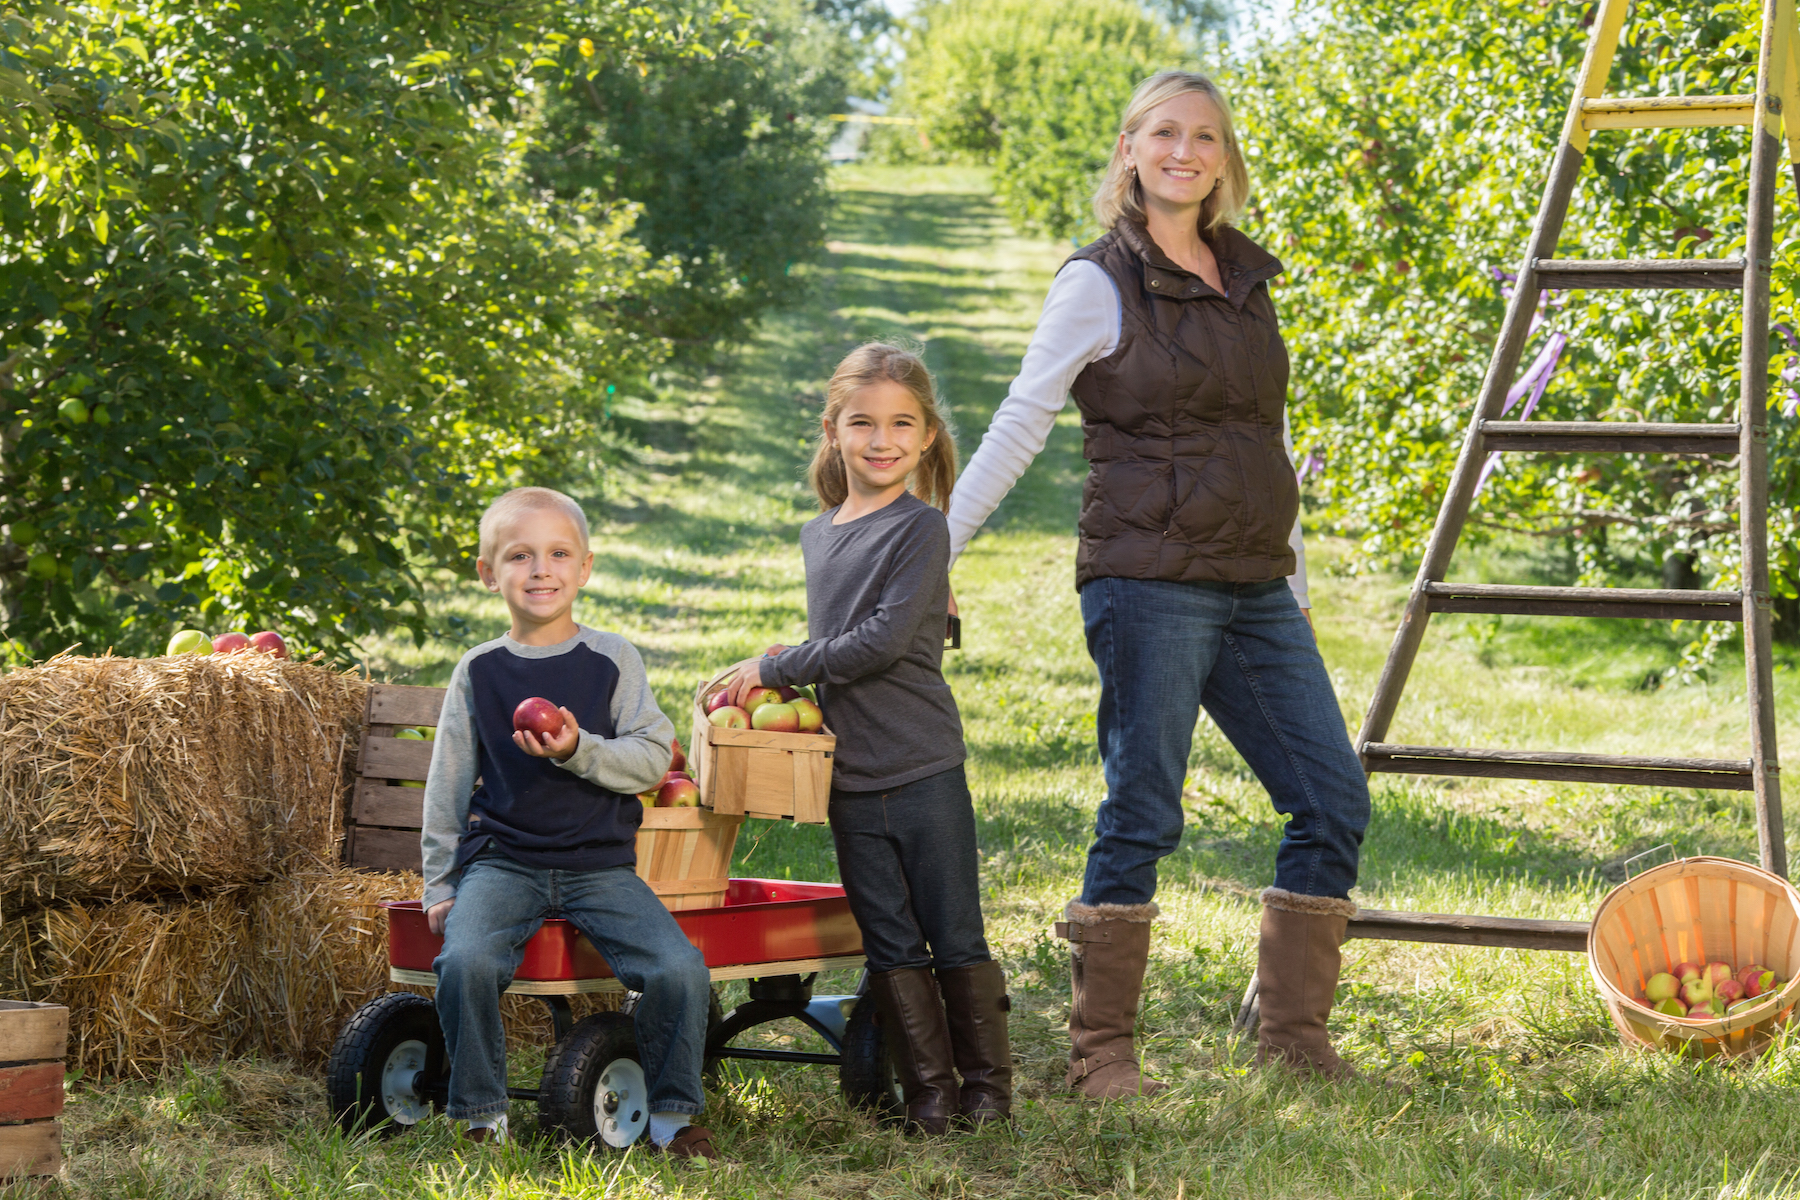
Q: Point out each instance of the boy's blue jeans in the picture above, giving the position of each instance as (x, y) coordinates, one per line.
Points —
(1246, 654)
(499, 905)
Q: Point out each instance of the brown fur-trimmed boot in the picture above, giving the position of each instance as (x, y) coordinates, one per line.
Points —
(1297, 964)
(1110, 945)
(976, 1003)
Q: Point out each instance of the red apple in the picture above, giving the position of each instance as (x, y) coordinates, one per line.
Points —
(1696, 991)
(539, 716)
(270, 642)
(1660, 987)
(755, 698)
(730, 717)
(1686, 971)
(1717, 973)
(1759, 981)
(811, 719)
(678, 761)
(230, 643)
(718, 700)
(1728, 990)
(785, 694)
(672, 776)
(678, 793)
(775, 718)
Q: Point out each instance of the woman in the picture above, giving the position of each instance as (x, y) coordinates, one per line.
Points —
(1189, 566)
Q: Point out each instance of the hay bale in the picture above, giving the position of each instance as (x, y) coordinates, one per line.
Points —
(272, 969)
(123, 777)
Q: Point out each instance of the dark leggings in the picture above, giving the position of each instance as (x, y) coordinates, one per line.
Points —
(907, 859)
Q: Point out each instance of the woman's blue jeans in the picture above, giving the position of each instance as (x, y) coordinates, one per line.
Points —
(1246, 654)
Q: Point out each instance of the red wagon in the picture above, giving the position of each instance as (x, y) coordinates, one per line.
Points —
(389, 1070)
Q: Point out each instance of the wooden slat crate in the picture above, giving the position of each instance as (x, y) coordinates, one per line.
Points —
(684, 854)
(756, 773)
(34, 1040)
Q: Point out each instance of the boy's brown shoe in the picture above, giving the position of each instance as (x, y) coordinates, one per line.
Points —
(693, 1142)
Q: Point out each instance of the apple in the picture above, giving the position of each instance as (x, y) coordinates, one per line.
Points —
(428, 732)
(755, 698)
(1717, 973)
(1737, 1006)
(678, 761)
(811, 719)
(672, 776)
(1758, 981)
(1728, 990)
(539, 716)
(1686, 971)
(647, 799)
(190, 641)
(729, 717)
(270, 642)
(678, 793)
(1660, 987)
(1671, 1007)
(1696, 991)
(406, 735)
(786, 694)
(717, 700)
(775, 718)
(230, 643)
(1642, 1003)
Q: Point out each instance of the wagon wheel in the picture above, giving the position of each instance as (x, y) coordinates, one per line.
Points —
(594, 1087)
(866, 1076)
(387, 1065)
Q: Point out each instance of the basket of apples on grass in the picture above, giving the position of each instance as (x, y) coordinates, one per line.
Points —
(1699, 955)
(683, 851)
(769, 758)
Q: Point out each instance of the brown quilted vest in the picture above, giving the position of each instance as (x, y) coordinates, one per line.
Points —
(1187, 479)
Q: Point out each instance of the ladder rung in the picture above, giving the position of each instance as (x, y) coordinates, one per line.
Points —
(1568, 274)
(1458, 929)
(1655, 437)
(1643, 603)
(1667, 112)
(1722, 773)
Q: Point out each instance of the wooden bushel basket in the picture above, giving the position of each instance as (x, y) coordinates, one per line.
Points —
(1697, 910)
(760, 774)
(684, 854)
(34, 1040)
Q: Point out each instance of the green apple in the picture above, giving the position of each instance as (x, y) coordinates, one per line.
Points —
(1671, 1007)
(190, 641)
(1661, 986)
(73, 410)
(42, 566)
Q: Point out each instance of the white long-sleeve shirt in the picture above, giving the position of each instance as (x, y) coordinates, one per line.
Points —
(1080, 325)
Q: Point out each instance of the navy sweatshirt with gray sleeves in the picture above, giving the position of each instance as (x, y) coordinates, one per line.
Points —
(581, 814)
(877, 595)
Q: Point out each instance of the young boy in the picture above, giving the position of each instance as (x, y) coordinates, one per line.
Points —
(550, 829)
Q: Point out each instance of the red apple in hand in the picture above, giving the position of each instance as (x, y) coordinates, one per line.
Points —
(679, 792)
(270, 642)
(730, 717)
(230, 643)
(537, 715)
(678, 760)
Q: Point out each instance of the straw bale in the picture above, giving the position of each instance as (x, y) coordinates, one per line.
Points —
(272, 969)
(123, 777)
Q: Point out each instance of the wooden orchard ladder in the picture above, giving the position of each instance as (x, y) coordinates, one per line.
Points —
(1777, 88)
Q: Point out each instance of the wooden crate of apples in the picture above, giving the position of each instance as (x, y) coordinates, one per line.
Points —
(1692, 990)
(769, 758)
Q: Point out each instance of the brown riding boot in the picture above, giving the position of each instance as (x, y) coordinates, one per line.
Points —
(1110, 947)
(918, 1042)
(1297, 963)
(976, 1003)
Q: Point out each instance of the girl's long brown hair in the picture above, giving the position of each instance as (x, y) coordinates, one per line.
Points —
(870, 363)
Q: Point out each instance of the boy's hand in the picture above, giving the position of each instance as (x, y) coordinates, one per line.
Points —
(437, 914)
(749, 675)
(558, 747)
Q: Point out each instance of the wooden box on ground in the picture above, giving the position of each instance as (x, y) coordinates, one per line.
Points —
(34, 1040)
(1698, 910)
(756, 773)
(684, 854)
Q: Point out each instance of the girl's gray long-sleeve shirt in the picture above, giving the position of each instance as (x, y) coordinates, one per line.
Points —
(877, 595)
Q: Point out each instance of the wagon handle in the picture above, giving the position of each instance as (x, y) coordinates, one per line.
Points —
(1646, 854)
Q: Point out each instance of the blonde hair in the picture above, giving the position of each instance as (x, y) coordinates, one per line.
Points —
(870, 363)
(523, 500)
(1121, 196)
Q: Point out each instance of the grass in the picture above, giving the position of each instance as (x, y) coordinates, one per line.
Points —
(1491, 1073)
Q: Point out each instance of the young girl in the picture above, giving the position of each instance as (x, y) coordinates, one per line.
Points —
(877, 598)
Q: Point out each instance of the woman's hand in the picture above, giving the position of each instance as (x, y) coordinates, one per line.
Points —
(558, 747)
(953, 611)
(748, 676)
(437, 914)
(1307, 612)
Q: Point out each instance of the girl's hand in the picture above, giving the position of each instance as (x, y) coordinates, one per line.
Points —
(437, 914)
(558, 747)
(748, 675)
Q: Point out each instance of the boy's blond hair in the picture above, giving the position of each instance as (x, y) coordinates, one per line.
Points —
(523, 500)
